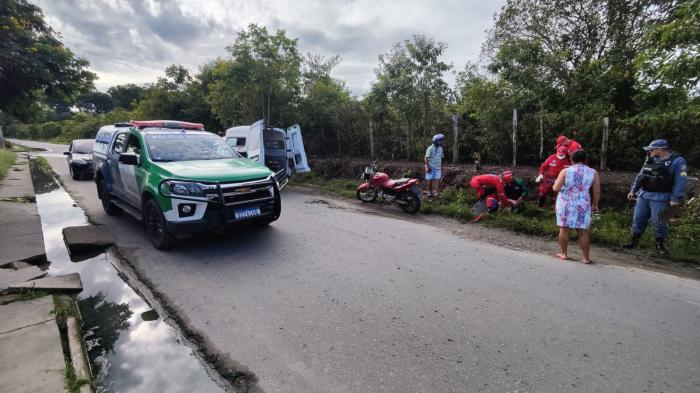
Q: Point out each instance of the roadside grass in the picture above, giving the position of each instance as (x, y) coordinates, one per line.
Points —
(31, 294)
(72, 382)
(7, 159)
(610, 228)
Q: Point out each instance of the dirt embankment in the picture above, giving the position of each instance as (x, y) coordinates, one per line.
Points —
(615, 185)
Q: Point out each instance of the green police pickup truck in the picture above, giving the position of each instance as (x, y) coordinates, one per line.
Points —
(180, 179)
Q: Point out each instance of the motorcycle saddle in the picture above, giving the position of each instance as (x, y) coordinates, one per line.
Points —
(397, 182)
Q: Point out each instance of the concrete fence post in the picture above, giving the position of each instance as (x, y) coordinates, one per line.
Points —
(515, 137)
(604, 146)
(455, 132)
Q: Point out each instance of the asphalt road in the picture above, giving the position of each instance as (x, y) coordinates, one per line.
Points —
(333, 298)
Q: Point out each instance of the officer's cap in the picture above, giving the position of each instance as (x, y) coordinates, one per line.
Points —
(657, 144)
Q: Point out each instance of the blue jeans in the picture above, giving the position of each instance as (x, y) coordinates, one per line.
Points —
(647, 209)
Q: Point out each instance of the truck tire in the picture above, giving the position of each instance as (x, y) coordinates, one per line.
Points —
(156, 227)
(110, 208)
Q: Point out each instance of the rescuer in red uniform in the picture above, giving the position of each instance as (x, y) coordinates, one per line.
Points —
(571, 145)
(549, 171)
(490, 187)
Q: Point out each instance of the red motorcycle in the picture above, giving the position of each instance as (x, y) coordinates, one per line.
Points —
(403, 192)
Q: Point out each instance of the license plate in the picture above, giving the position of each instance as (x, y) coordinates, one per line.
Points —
(246, 212)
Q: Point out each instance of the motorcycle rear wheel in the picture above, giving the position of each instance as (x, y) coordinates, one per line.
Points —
(367, 195)
(412, 202)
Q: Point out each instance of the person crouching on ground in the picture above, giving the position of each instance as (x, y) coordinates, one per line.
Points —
(549, 171)
(433, 165)
(515, 189)
(574, 206)
(662, 183)
(490, 187)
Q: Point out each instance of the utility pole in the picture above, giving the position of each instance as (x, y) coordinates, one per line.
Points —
(515, 136)
(604, 147)
(455, 132)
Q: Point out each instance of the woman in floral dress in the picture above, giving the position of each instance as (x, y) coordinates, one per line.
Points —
(574, 205)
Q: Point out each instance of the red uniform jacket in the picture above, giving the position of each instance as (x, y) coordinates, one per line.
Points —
(481, 182)
(552, 166)
(572, 146)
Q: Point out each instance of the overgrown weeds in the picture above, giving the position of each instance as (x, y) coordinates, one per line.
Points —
(7, 159)
(31, 294)
(72, 382)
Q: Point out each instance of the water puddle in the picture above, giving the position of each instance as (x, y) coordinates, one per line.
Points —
(131, 348)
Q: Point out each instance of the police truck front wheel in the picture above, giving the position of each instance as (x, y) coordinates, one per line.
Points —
(110, 208)
(156, 227)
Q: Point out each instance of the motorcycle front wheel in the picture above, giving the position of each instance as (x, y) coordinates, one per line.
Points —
(412, 203)
(367, 195)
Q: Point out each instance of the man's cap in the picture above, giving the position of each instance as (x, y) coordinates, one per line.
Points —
(657, 144)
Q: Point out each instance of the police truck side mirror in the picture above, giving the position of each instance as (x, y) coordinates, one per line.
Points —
(67, 153)
(129, 159)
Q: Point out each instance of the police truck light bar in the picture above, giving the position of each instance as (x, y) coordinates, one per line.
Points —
(179, 125)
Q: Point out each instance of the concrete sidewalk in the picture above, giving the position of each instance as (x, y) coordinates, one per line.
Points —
(21, 238)
(31, 354)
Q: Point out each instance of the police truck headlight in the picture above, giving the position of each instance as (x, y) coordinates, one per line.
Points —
(179, 188)
(79, 161)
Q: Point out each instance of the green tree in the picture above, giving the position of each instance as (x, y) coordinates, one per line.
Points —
(324, 108)
(261, 80)
(410, 92)
(34, 63)
(125, 96)
(166, 99)
(94, 102)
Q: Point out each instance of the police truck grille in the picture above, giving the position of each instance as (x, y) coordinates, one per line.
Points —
(240, 193)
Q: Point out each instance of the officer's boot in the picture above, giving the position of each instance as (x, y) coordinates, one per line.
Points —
(633, 242)
(661, 248)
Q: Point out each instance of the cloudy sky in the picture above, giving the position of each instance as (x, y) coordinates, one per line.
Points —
(132, 41)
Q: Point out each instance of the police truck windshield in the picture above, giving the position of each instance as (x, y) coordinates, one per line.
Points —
(188, 147)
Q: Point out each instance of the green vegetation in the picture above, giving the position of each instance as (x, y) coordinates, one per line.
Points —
(609, 228)
(564, 65)
(72, 383)
(37, 69)
(7, 159)
(31, 294)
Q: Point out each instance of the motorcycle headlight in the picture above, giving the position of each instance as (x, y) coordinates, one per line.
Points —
(175, 188)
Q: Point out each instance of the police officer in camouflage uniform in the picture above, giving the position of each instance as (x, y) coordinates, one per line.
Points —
(662, 183)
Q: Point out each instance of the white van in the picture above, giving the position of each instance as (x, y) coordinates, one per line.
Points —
(280, 150)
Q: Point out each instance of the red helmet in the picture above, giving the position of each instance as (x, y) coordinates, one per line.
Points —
(562, 151)
(562, 140)
(508, 176)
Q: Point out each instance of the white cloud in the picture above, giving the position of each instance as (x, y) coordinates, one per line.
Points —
(132, 41)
